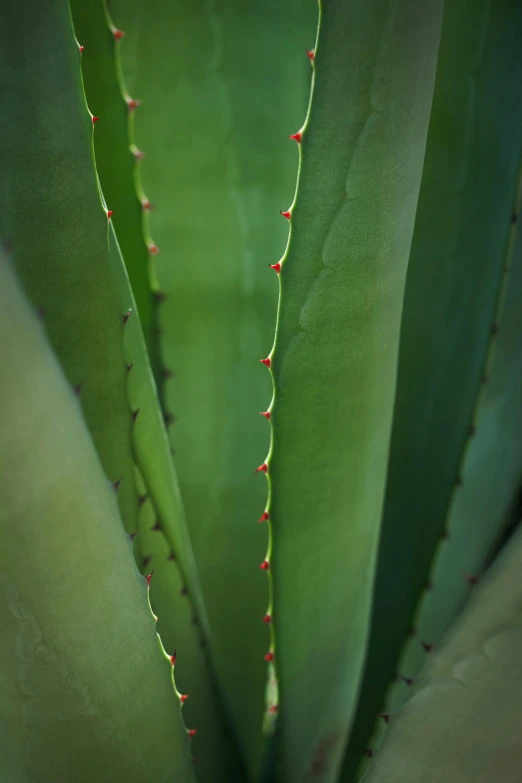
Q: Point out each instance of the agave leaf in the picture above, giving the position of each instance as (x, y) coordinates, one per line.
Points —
(108, 99)
(442, 447)
(335, 358)
(86, 690)
(52, 212)
(52, 205)
(463, 723)
(214, 120)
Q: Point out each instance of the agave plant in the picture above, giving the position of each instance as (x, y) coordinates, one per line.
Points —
(352, 607)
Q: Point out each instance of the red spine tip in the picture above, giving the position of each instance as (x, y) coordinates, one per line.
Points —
(273, 709)
(310, 54)
(173, 658)
(110, 213)
(471, 580)
(139, 154)
(118, 34)
(265, 565)
(296, 137)
(275, 267)
(368, 753)
(426, 647)
(385, 717)
(126, 316)
(268, 361)
(95, 120)
(81, 49)
(146, 205)
(264, 517)
(192, 732)
(116, 484)
(266, 414)
(142, 499)
(269, 657)
(262, 468)
(183, 698)
(132, 104)
(149, 576)
(286, 214)
(267, 618)
(153, 250)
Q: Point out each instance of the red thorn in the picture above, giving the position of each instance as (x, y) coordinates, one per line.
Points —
(368, 752)
(130, 366)
(118, 34)
(95, 120)
(262, 468)
(183, 698)
(110, 213)
(385, 717)
(265, 565)
(132, 536)
(267, 362)
(471, 580)
(149, 576)
(264, 517)
(296, 137)
(275, 267)
(135, 414)
(81, 49)
(286, 214)
(273, 709)
(192, 732)
(142, 499)
(166, 373)
(153, 250)
(160, 296)
(267, 618)
(146, 205)
(139, 154)
(126, 317)
(116, 484)
(269, 657)
(426, 647)
(77, 388)
(407, 680)
(132, 104)
(266, 414)
(310, 54)
(156, 526)
(173, 658)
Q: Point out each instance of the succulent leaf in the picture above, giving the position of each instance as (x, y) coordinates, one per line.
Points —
(52, 213)
(108, 99)
(86, 690)
(461, 246)
(52, 203)
(463, 723)
(335, 357)
(214, 124)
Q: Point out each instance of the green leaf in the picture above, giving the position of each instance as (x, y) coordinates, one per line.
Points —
(51, 210)
(461, 246)
(115, 156)
(335, 358)
(214, 121)
(86, 690)
(69, 259)
(463, 723)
